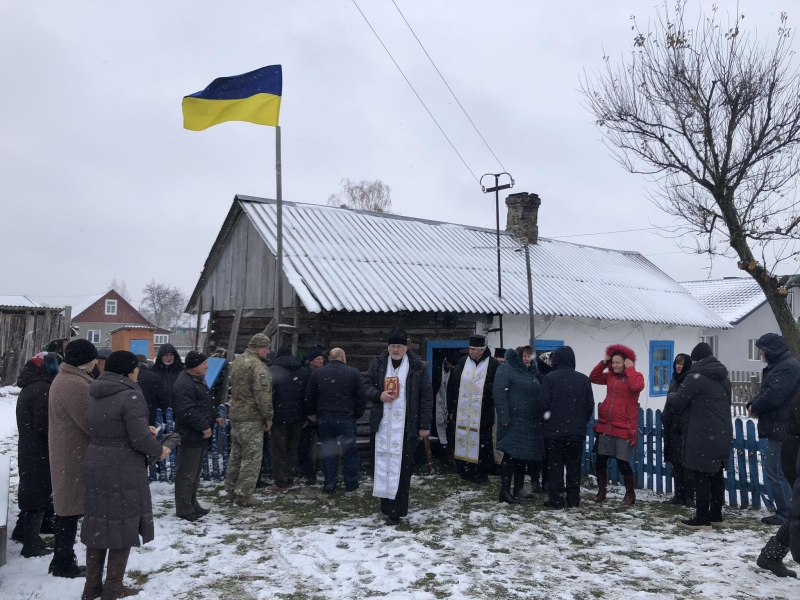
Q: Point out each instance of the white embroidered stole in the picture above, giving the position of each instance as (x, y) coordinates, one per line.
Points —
(389, 439)
(468, 415)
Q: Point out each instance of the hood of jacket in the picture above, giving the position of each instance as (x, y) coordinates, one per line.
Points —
(109, 384)
(773, 345)
(563, 358)
(515, 361)
(164, 349)
(711, 368)
(287, 362)
(32, 373)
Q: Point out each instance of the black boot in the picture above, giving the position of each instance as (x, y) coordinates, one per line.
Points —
(776, 566)
(18, 535)
(65, 563)
(505, 483)
(48, 523)
(33, 544)
(519, 486)
(95, 561)
(115, 572)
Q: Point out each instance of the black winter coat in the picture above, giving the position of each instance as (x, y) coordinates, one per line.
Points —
(671, 419)
(794, 516)
(289, 382)
(117, 487)
(705, 399)
(334, 392)
(568, 398)
(194, 409)
(169, 375)
(154, 393)
(780, 383)
(454, 387)
(33, 455)
(419, 393)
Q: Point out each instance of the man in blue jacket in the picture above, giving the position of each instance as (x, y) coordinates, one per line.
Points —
(780, 384)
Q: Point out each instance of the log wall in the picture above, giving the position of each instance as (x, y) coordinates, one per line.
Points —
(23, 333)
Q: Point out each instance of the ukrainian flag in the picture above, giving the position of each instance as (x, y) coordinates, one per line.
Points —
(254, 97)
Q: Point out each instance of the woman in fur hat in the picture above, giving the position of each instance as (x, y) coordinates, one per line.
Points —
(617, 426)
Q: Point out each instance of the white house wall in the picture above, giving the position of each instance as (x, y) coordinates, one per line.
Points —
(589, 339)
(732, 344)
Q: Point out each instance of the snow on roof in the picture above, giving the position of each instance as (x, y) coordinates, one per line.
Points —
(138, 327)
(732, 298)
(18, 301)
(340, 259)
(86, 303)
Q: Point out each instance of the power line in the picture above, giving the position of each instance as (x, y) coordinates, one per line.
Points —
(560, 237)
(452, 93)
(415, 92)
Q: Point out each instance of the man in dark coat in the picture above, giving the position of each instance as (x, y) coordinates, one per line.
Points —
(35, 488)
(705, 400)
(117, 495)
(168, 366)
(568, 403)
(289, 381)
(155, 395)
(334, 401)
(672, 424)
(776, 549)
(307, 449)
(194, 418)
(780, 383)
(471, 385)
(401, 414)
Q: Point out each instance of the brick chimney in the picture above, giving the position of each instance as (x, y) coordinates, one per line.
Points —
(523, 216)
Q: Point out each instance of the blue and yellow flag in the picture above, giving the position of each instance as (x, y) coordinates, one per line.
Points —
(254, 97)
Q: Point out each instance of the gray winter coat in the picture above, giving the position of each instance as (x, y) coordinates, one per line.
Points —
(517, 400)
(118, 506)
(705, 401)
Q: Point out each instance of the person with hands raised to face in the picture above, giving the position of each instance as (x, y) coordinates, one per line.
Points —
(617, 426)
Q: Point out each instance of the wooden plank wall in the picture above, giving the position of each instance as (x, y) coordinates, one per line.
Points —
(245, 273)
(362, 335)
(23, 333)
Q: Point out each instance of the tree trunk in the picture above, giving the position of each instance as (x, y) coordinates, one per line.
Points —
(769, 284)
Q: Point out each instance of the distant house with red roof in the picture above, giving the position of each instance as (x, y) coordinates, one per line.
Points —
(99, 315)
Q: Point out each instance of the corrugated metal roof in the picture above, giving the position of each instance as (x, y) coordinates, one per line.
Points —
(732, 298)
(18, 302)
(340, 259)
(86, 303)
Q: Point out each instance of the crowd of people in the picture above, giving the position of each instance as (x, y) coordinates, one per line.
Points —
(86, 421)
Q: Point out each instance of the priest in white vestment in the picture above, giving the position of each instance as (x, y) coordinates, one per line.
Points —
(399, 387)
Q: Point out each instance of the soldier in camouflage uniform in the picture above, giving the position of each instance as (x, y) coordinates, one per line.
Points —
(250, 414)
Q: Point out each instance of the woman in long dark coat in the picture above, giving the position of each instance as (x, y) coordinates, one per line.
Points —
(35, 489)
(117, 501)
(672, 422)
(519, 419)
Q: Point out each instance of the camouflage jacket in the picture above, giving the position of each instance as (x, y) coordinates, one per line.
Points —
(251, 389)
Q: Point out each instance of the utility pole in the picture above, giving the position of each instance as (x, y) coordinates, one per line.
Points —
(496, 189)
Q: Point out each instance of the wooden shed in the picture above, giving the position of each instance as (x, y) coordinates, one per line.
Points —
(139, 339)
(24, 331)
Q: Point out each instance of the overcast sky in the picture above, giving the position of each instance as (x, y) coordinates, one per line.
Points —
(99, 180)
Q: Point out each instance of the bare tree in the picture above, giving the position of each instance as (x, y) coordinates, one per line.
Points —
(121, 288)
(162, 304)
(712, 115)
(374, 196)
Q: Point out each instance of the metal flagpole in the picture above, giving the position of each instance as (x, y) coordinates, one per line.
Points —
(279, 270)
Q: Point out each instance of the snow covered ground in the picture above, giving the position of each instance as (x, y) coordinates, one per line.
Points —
(458, 543)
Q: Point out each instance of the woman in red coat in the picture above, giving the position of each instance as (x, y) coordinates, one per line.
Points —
(617, 425)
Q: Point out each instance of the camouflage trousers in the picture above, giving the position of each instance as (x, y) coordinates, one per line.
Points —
(244, 464)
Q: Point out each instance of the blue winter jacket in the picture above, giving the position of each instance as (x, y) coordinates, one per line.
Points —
(517, 400)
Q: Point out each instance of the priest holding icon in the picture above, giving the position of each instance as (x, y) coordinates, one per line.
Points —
(399, 387)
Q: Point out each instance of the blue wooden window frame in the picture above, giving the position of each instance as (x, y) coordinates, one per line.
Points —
(434, 344)
(660, 387)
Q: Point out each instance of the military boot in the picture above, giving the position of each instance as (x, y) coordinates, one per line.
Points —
(247, 501)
